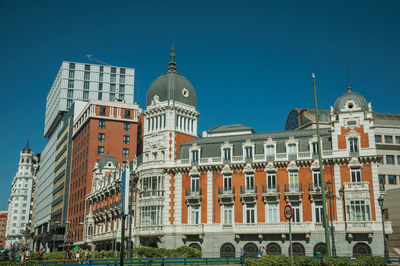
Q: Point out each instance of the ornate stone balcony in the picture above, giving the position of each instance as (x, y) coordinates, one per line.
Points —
(226, 195)
(248, 194)
(356, 186)
(193, 197)
(270, 193)
(149, 230)
(293, 192)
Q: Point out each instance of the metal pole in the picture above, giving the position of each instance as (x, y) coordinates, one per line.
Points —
(385, 252)
(330, 195)
(290, 241)
(321, 170)
(130, 224)
(121, 257)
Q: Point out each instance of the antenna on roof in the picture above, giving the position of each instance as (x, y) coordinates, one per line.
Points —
(348, 74)
(90, 57)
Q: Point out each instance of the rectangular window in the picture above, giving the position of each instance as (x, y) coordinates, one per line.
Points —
(271, 181)
(121, 96)
(101, 77)
(249, 183)
(397, 139)
(101, 137)
(112, 96)
(318, 212)
(314, 148)
(122, 79)
(316, 179)
(112, 78)
(358, 210)
(270, 152)
(101, 68)
(70, 83)
(398, 159)
(71, 74)
(392, 180)
(195, 184)
(389, 159)
(388, 139)
(86, 85)
(87, 67)
(378, 138)
(102, 110)
(127, 114)
(250, 213)
(100, 96)
(293, 181)
(85, 95)
(296, 213)
(272, 213)
(100, 86)
(127, 126)
(122, 88)
(195, 214)
(125, 152)
(249, 153)
(227, 183)
(100, 150)
(353, 145)
(102, 124)
(126, 139)
(381, 179)
(355, 175)
(86, 75)
(72, 65)
(70, 94)
(69, 103)
(113, 70)
(292, 151)
(227, 214)
(195, 156)
(122, 70)
(227, 154)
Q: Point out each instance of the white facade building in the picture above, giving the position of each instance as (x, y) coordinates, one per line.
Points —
(19, 203)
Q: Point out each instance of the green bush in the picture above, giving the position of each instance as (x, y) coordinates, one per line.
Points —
(336, 261)
(370, 261)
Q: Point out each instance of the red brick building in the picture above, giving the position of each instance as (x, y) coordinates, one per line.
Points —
(101, 128)
(3, 226)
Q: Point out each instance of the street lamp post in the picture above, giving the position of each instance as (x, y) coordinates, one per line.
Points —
(331, 196)
(385, 251)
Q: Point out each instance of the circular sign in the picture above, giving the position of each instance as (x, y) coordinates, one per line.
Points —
(288, 211)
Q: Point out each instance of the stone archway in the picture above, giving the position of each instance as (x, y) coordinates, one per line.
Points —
(250, 250)
(273, 249)
(320, 249)
(196, 246)
(227, 250)
(298, 249)
(361, 249)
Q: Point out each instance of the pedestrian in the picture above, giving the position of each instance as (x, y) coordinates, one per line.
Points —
(41, 253)
(241, 252)
(67, 256)
(264, 251)
(260, 252)
(27, 254)
(77, 255)
(23, 256)
(87, 256)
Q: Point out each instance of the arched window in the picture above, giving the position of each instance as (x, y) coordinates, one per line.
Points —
(196, 246)
(273, 249)
(320, 249)
(361, 249)
(298, 249)
(227, 250)
(250, 250)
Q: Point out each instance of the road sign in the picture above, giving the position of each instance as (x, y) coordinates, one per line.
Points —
(288, 211)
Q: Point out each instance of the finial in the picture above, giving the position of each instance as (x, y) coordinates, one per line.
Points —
(27, 140)
(348, 75)
(172, 63)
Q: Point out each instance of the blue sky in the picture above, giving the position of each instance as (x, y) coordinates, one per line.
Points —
(249, 61)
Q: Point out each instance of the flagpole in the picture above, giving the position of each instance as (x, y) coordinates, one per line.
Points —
(321, 171)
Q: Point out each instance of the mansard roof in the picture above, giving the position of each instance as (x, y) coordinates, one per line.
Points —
(211, 146)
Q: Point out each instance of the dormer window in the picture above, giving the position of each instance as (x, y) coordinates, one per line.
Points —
(353, 146)
(248, 153)
(270, 153)
(195, 156)
(314, 149)
(292, 151)
(227, 154)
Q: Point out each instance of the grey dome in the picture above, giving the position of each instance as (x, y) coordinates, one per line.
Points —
(357, 98)
(172, 86)
(105, 159)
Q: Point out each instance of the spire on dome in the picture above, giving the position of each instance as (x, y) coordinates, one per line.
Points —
(172, 63)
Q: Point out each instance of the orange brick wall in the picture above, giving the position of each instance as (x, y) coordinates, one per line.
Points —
(342, 137)
(180, 138)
